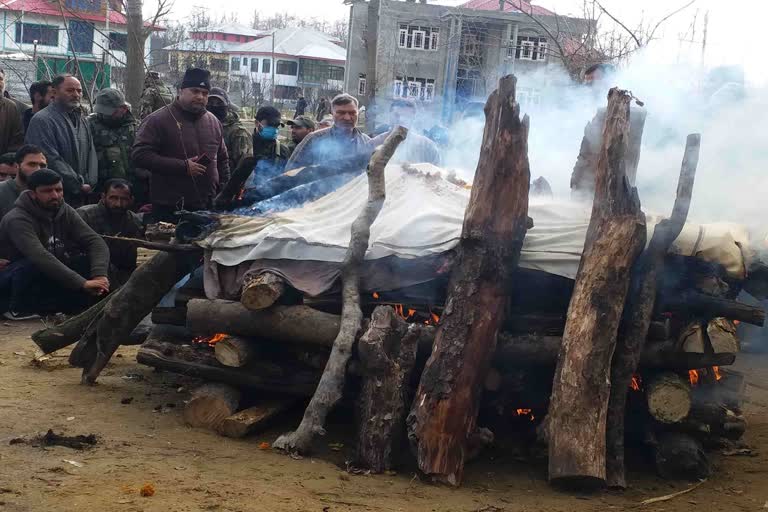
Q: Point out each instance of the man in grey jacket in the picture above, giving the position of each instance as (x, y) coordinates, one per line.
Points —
(61, 130)
(41, 242)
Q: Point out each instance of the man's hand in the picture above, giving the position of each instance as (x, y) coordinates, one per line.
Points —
(4, 263)
(86, 189)
(97, 286)
(194, 168)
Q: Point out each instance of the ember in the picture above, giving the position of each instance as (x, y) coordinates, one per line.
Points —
(525, 412)
(693, 376)
(635, 384)
(716, 372)
(210, 340)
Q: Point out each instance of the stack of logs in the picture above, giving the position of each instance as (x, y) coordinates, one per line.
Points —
(616, 365)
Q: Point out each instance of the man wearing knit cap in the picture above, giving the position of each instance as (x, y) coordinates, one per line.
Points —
(182, 146)
(236, 137)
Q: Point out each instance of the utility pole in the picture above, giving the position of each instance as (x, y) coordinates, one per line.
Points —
(272, 67)
(704, 39)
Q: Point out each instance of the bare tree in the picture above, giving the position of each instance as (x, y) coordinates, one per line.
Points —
(138, 32)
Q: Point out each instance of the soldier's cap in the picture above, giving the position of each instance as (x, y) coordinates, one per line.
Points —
(270, 114)
(109, 100)
(196, 77)
(218, 92)
(302, 121)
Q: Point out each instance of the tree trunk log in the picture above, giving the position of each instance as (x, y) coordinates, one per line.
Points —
(329, 390)
(444, 413)
(252, 420)
(695, 303)
(210, 405)
(234, 351)
(126, 308)
(174, 315)
(680, 457)
(68, 332)
(261, 291)
(639, 308)
(668, 397)
(387, 352)
(722, 336)
(615, 237)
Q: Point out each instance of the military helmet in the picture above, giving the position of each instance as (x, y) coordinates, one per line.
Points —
(109, 100)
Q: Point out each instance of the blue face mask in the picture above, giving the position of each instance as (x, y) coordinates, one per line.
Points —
(268, 132)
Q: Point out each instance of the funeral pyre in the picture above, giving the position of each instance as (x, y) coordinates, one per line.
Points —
(439, 311)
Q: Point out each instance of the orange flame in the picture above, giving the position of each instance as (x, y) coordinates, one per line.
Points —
(716, 371)
(525, 412)
(210, 340)
(635, 384)
(375, 295)
(693, 376)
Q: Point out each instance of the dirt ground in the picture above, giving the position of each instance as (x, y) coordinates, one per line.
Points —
(142, 439)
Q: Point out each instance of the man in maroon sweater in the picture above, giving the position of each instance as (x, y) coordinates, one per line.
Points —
(183, 147)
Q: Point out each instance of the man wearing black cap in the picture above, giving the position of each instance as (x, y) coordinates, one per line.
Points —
(40, 239)
(236, 137)
(182, 146)
(300, 128)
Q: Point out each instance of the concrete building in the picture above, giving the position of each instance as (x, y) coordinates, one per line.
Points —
(446, 57)
(60, 35)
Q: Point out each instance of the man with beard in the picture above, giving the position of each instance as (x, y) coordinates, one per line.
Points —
(42, 94)
(28, 159)
(38, 238)
(62, 131)
(114, 129)
(8, 167)
(236, 137)
(301, 126)
(11, 131)
(113, 216)
(183, 147)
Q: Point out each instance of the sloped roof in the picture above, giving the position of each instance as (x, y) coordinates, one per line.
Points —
(296, 42)
(232, 28)
(204, 45)
(48, 8)
(509, 6)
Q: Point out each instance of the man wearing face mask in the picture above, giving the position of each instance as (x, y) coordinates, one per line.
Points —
(416, 148)
(271, 153)
(236, 137)
(182, 145)
(114, 128)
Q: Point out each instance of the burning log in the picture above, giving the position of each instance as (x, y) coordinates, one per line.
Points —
(691, 338)
(234, 351)
(210, 405)
(387, 352)
(329, 389)
(668, 396)
(444, 413)
(174, 315)
(695, 303)
(616, 235)
(680, 456)
(711, 421)
(254, 419)
(639, 309)
(262, 290)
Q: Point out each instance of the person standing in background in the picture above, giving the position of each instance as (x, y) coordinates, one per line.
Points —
(323, 109)
(11, 129)
(42, 94)
(301, 106)
(236, 137)
(155, 95)
(114, 130)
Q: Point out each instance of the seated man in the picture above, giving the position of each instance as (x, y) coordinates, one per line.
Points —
(37, 238)
(112, 216)
(28, 159)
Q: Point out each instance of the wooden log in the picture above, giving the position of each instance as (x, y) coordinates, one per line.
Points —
(329, 389)
(668, 397)
(691, 338)
(679, 456)
(638, 312)
(615, 237)
(253, 419)
(262, 290)
(175, 315)
(68, 332)
(234, 351)
(444, 413)
(210, 405)
(127, 307)
(695, 303)
(155, 246)
(387, 352)
(237, 180)
(284, 324)
(722, 336)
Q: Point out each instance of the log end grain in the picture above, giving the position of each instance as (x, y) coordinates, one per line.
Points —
(210, 405)
(251, 420)
(668, 397)
(262, 291)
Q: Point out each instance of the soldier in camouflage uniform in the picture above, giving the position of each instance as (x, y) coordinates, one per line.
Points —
(236, 137)
(155, 96)
(113, 128)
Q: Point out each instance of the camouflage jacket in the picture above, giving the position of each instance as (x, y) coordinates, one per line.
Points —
(154, 97)
(237, 139)
(113, 146)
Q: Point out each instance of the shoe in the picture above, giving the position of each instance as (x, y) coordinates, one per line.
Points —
(11, 315)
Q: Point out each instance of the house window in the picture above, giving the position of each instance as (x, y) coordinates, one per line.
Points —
(335, 73)
(361, 86)
(45, 35)
(118, 41)
(235, 64)
(528, 96)
(81, 36)
(254, 65)
(397, 88)
(529, 48)
(245, 62)
(216, 64)
(422, 89)
(265, 66)
(429, 91)
(414, 37)
(287, 67)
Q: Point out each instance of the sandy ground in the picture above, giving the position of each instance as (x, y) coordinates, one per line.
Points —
(146, 442)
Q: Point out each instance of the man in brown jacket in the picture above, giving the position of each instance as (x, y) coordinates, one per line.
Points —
(11, 132)
(183, 147)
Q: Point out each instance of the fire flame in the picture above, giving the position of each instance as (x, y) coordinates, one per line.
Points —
(635, 384)
(525, 412)
(693, 376)
(375, 295)
(716, 371)
(210, 340)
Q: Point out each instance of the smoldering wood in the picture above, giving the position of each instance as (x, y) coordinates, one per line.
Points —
(253, 419)
(329, 390)
(638, 312)
(235, 351)
(668, 396)
(679, 456)
(691, 338)
(174, 315)
(210, 405)
(262, 290)
(712, 419)
(442, 421)
(387, 353)
(615, 237)
(708, 306)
